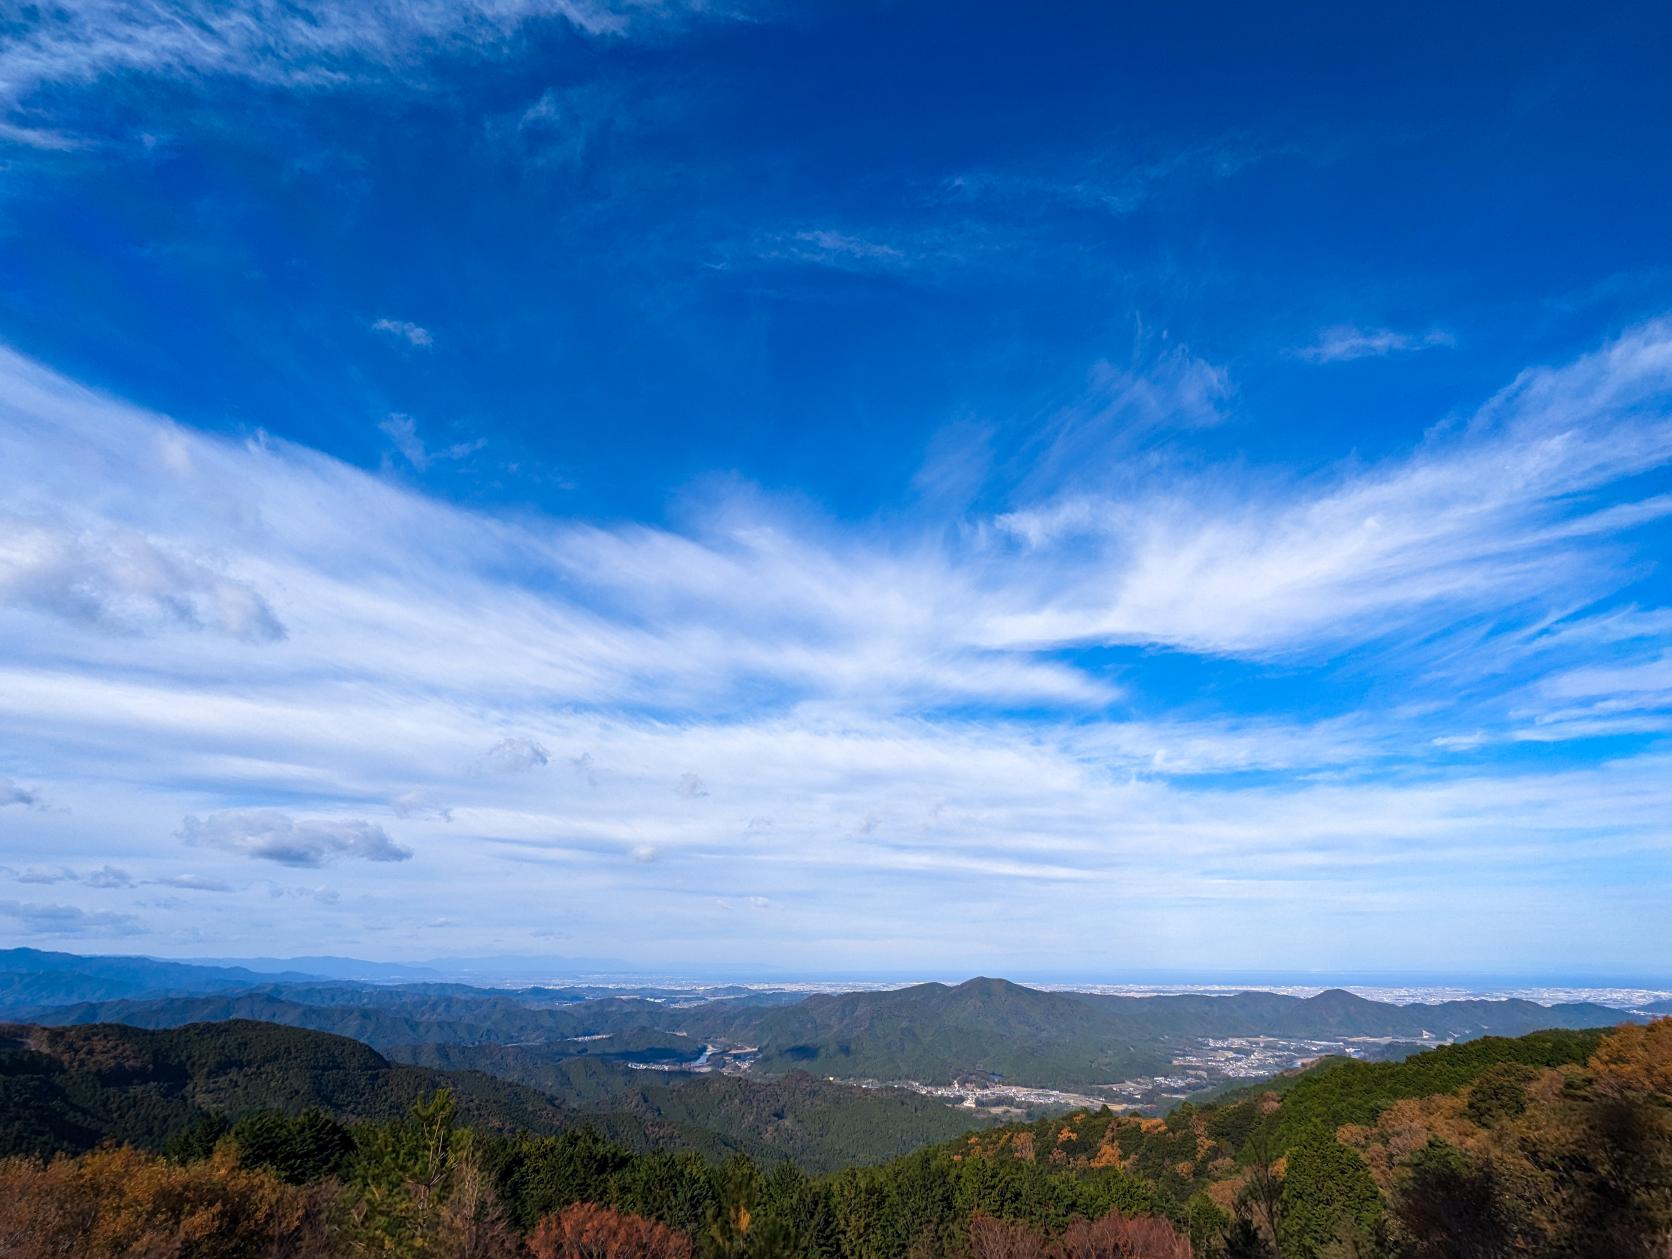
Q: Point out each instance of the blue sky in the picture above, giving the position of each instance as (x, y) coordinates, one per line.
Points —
(853, 487)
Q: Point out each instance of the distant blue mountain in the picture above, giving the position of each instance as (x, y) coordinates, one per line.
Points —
(32, 978)
(489, 970)
(327, 967)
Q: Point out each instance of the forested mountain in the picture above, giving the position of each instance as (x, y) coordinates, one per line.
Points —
(932, 1033)
(65, 1089)
(1552, 1146)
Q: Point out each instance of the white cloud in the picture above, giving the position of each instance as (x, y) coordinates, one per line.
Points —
(67, 920)
(1344, 343)
(919, 678)
(1162, 388)
(413, 334)
(1114, 182)
(193, 883)
(690, 786)
(14, 793)
(1471, 522)
(417, 804)
(827, 247)
(104, 877)
(516, 755)
(402, 430)
(269, 835)
(61, 874)
(318, 45)
(122, 580)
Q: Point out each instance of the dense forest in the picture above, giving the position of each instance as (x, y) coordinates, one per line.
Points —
(1557, 1144)
(66, 1089)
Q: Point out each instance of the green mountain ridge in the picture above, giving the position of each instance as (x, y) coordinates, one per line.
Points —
(65, 1089)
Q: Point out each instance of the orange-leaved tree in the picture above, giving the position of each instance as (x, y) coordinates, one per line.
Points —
(120, 1203)
(587, 1231)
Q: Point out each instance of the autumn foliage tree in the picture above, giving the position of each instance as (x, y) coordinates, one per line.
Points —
(588, 1231)
(120, 1203)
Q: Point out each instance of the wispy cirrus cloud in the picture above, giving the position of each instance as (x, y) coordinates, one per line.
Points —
(1481, 520)
(1116, 181)
(402, 430)
(1343, 343)
(318, 45)
(829, 247)
(950, 684)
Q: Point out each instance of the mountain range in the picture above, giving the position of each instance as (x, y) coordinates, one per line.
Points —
(930, 1033)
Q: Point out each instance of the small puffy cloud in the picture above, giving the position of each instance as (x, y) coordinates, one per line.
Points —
(515, 756)
(644, 852)
(109, 876)
(193, 883)
(417, 804)
(404, 329)
(67, 920)
(14, 793)
(690, 786)
(759, 902)
(269, 835)
(62, 874)
(1343, 343)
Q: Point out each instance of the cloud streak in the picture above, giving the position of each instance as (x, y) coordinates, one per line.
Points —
(935, 721)
(321, 45)
(1343, 343)
(67, 920)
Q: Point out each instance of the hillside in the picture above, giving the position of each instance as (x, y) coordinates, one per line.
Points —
(66, 1089)
(1552, 1146)
(70, 1088)
(936, 1033)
